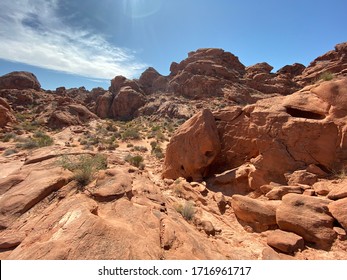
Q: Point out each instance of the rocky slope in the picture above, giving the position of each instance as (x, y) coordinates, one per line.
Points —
(214, 161)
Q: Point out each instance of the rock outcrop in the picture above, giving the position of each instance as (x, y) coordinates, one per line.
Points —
(19, 80)
(333, 63)
(308, 217)
(6, 113)
(73, 114)
(193, 148)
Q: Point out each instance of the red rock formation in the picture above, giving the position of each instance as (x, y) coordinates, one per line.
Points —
(308, 217)
(6, 114)
(19, 80)
(192, 149)
(126, 103)
(333, 62)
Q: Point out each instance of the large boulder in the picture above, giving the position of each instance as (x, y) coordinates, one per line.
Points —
(103, 105)
(339, 210)
(287, 242)
(308, 217)
(124, 99)
(73, 114)
(126, 103)
(19, 80)
(259, 213)
(193, 148)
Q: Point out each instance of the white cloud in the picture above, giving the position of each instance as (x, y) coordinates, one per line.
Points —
(32, 33)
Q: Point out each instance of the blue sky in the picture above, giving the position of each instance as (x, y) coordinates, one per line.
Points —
(88, 42)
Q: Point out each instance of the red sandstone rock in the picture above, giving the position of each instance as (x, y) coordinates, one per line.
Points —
(6, 113)
(308, 217)
(339, 211)
(19, 80)
(24, 195)
(334, 62)
(192, 149)
(287, 242)
(255, 211)
(111, 184)
(126, 103)
(73, 114)
(277, 192)
(338, 189)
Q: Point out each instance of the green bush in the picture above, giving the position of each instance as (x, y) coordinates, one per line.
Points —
(7, 137)
(186, 210)
(84, 167)
(157, 150)
(136, 160)
(38, 140)
(326, 76)
(140, 149)
(9, 152)
(131, 133)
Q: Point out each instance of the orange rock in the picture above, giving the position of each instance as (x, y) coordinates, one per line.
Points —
(308, 217)
(286, 242)
(254, 210)
(192, 149)
(339, 210)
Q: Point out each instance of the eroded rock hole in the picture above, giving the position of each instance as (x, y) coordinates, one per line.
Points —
(297, 113)
(209, 154)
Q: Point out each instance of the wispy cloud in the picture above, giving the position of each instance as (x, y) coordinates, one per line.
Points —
(31, 32)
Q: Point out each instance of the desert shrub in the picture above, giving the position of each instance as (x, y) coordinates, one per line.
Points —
(131, 133)
(186, 210)
(42, 139)
(178, 189)
(38, 140)
(9, 152)
(140, 149)
(130, 145)
(136, 160)
(7, 137)
(326, 76)
(84, 167)
(111, 127)
(156, 150)
(112, 146)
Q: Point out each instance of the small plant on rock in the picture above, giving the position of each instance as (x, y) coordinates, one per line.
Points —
(187, 210)
(84, 167)
(136, 160)
(326, 76)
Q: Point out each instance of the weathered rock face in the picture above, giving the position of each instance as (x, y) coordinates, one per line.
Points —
(6, 114)
(286, 242)
(267, 133)
(204, 73)
(333, 62)
(339, 211)
(112, 184)
(192, 149)
(74, 114)
(291, 70)
(308, 217)
(123, 100)
(261, 214)
(126, 103)
(103, 105)
(20, 197)
(19, 80)
(151, 81)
